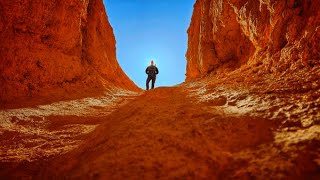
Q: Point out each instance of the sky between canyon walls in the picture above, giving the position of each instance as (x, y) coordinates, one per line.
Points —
(151, 29)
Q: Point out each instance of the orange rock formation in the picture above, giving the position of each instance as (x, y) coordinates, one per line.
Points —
(250, 108)
(53, 50)
(277, 35)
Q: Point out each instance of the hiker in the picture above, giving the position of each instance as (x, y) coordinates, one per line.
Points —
(152, 72)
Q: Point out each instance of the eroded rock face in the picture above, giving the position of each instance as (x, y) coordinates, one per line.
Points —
(276, 35)
(56, 50)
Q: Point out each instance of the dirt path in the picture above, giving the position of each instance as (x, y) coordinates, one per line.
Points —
(165, 133)
(187, 132)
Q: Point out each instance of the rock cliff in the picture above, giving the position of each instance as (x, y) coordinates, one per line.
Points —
(255, 116)
(272, 35)
(53, 50)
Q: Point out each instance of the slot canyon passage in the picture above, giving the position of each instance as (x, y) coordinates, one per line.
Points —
(249, 108)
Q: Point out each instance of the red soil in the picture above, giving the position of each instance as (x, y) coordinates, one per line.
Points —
(208, 129)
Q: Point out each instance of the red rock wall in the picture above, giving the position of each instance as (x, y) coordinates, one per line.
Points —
(56, 50)
(277, 35)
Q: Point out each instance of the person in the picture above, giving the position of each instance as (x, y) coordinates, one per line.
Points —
(152, 72)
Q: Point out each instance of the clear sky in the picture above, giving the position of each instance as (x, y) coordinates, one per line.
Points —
(151, 29)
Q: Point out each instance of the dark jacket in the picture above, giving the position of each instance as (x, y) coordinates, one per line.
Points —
(152, 70)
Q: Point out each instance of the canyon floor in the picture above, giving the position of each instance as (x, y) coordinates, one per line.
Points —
(215, 128)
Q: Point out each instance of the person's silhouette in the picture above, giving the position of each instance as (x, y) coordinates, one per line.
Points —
(152, 72)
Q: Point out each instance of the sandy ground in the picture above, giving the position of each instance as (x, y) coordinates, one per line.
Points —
(207, 129)
(33, 133)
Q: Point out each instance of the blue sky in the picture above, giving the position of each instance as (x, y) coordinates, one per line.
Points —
(151, 29)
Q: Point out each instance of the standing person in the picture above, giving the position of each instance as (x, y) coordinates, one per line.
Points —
(152, 72)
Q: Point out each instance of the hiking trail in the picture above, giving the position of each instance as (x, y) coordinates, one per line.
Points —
(192, 130)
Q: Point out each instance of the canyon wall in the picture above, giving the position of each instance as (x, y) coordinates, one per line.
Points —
(274, 35)
(53, 50)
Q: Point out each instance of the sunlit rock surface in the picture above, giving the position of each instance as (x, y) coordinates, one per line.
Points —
(54, 50)
(274, 35)
(260, 58)
(250, 108)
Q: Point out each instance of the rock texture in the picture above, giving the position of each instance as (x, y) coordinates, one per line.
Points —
(255, 116)
(52, 50)
(275, 35)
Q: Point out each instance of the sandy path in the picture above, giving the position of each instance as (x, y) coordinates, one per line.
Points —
(165, 133)
(188, 132)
